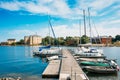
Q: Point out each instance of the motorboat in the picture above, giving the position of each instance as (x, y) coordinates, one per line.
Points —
(92, 63)
(101, 69)
(89, 52)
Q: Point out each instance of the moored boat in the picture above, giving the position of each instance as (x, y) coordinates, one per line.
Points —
(52, 58)
(84, 52)
(100, 70)
(92, 63)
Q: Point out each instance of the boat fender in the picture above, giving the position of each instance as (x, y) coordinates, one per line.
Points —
(118, 68)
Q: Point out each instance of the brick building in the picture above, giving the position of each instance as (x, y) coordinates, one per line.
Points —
(102, 40)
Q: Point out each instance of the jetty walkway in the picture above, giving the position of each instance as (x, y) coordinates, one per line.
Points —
(52, 70)
(70, 68)
(65, 69)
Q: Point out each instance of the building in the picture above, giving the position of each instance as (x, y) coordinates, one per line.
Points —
(106, 40)
(3, 43)
(102, 40)
(32, 40)
(11, 41)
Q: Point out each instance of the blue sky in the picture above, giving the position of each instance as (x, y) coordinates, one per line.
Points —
(19, 18)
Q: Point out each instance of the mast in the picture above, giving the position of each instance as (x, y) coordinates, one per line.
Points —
(84, 22)
(53, 31)
(80, 30)
(49, 31)
(90, 25)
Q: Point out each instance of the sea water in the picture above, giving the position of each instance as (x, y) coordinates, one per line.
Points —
(18, 61)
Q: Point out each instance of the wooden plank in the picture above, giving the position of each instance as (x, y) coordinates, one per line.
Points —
(52, 70)
(70, 68)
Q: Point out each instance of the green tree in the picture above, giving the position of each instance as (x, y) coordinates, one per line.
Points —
(13, 44)
(71, 41)
(48, 41)
(61, 41)
(117, 38)
(21, 42)
(84, 39)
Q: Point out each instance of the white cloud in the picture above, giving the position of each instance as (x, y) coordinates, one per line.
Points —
(59, 8)
(10, 6)
(21, 32)
(101, 4)
(115, 22)
(61, 30)
(65, 30)
(109, 31)
(73, 30)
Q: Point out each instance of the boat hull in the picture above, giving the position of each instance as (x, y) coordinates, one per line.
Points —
(101, 70)
(90, 63)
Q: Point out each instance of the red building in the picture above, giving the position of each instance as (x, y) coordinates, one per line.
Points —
(102, 40)
(106, 40)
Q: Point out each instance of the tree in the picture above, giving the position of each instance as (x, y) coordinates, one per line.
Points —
(117, 38)
(61, 41)
(84, 39)
(21, 42)
(48, 40)
(13, 44)
(71, 41)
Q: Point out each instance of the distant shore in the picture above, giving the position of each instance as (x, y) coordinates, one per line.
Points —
(94, 45)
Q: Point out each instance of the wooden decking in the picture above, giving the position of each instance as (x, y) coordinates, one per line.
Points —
(70, 68)
(65, 69)
(52, 70)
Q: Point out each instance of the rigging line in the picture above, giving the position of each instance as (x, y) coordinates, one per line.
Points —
(97, 32)
(49, 31)
(51, 27)
(89, 18)
(94, 38)
(53, 30)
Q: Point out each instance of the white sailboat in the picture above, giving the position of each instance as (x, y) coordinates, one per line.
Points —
(86, 50)
(47, 50)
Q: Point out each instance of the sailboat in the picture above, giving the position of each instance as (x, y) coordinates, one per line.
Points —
(47, 50)
(86, 50)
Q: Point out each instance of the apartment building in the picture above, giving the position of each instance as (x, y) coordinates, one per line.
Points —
(32, 40)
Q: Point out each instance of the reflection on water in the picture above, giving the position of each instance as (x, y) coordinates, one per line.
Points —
(17, 61)
(103, 76)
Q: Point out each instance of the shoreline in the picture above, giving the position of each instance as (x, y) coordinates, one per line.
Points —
(93, 45)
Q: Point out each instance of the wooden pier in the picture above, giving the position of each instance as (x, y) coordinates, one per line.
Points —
(70, 69)
(65, 69)
(52, 70)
